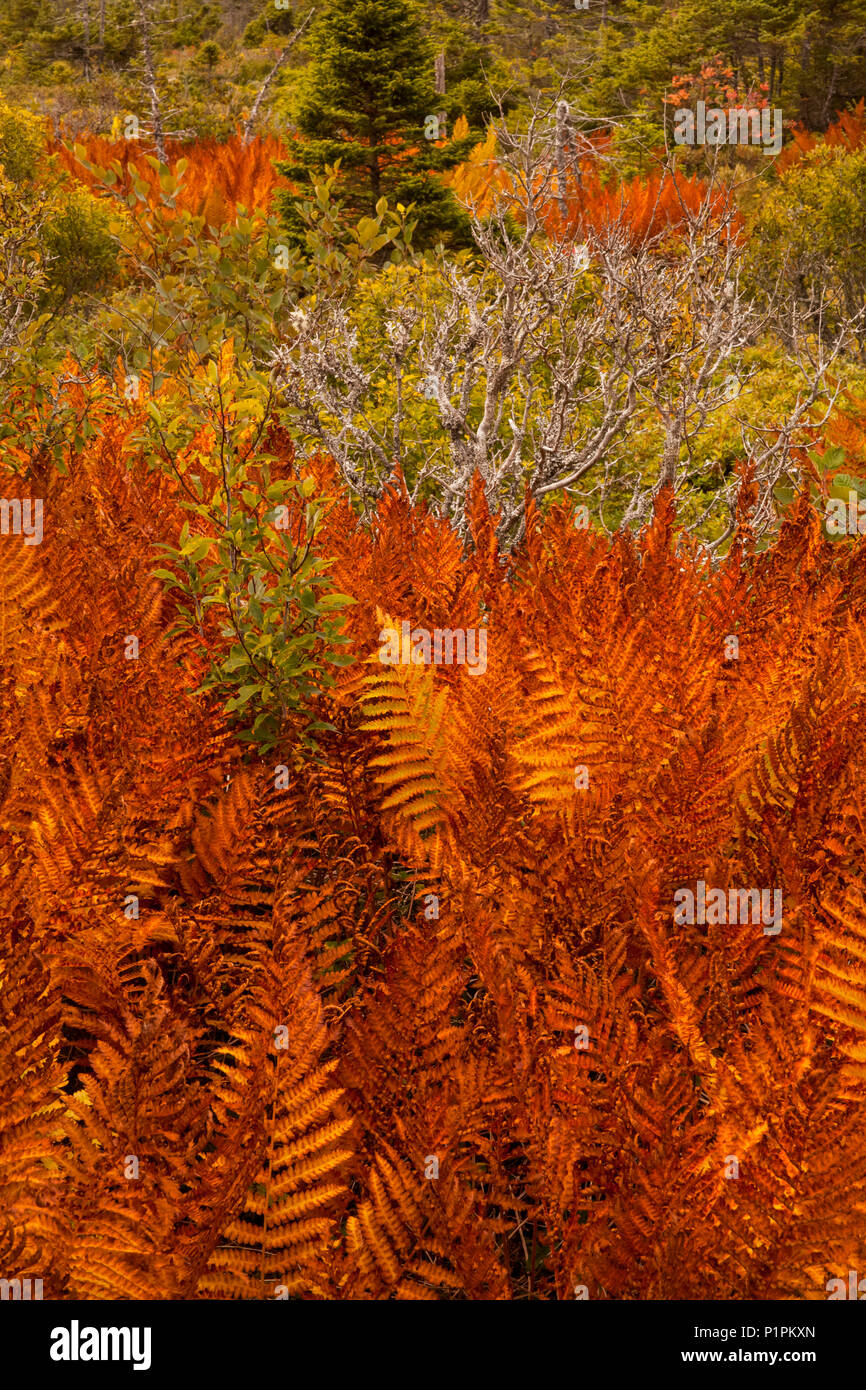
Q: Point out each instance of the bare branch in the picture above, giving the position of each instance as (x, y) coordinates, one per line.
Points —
(249, 123)
(143, 23)
(545, 358)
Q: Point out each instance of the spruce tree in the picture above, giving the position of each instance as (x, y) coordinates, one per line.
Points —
(369, 100)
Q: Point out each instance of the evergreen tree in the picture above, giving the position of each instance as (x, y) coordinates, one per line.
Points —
(369, 100)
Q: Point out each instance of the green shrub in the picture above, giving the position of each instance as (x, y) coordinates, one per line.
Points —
(81, 249)
(21, 142)
(195, 28)
(270, 21)
(61, 74)
(812, 229)
(208, 55)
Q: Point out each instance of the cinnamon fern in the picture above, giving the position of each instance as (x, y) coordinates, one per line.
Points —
(420, 1017)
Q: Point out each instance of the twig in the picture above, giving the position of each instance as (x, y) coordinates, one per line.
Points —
(251, 118)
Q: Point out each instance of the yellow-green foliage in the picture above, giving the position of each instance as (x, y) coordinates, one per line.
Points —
(21, 142)
(377, 304)
(769, 389)
(22, 279)
(80, 249)
(816, 221)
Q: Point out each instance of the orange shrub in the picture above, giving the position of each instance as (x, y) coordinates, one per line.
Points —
(847, 132)
(646, 206)
(434, 988)
(219, 177)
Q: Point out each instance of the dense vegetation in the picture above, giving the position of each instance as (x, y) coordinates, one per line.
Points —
(336, 975)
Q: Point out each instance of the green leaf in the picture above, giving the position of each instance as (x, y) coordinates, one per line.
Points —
(196, 548)
(329, 601)
(244, 695)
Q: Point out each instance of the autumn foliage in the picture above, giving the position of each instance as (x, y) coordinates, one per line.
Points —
(847, 133)
(317, 1028)
(218, 177)
(846, 429)
(642, 207)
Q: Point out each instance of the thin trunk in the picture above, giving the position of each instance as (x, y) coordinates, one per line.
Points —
(86, 17)
(375, 178)
(804, 99)
(561, 141)
(150, 82)
(263, 90)
(831, 92)
(671, 454)
(440, 74)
